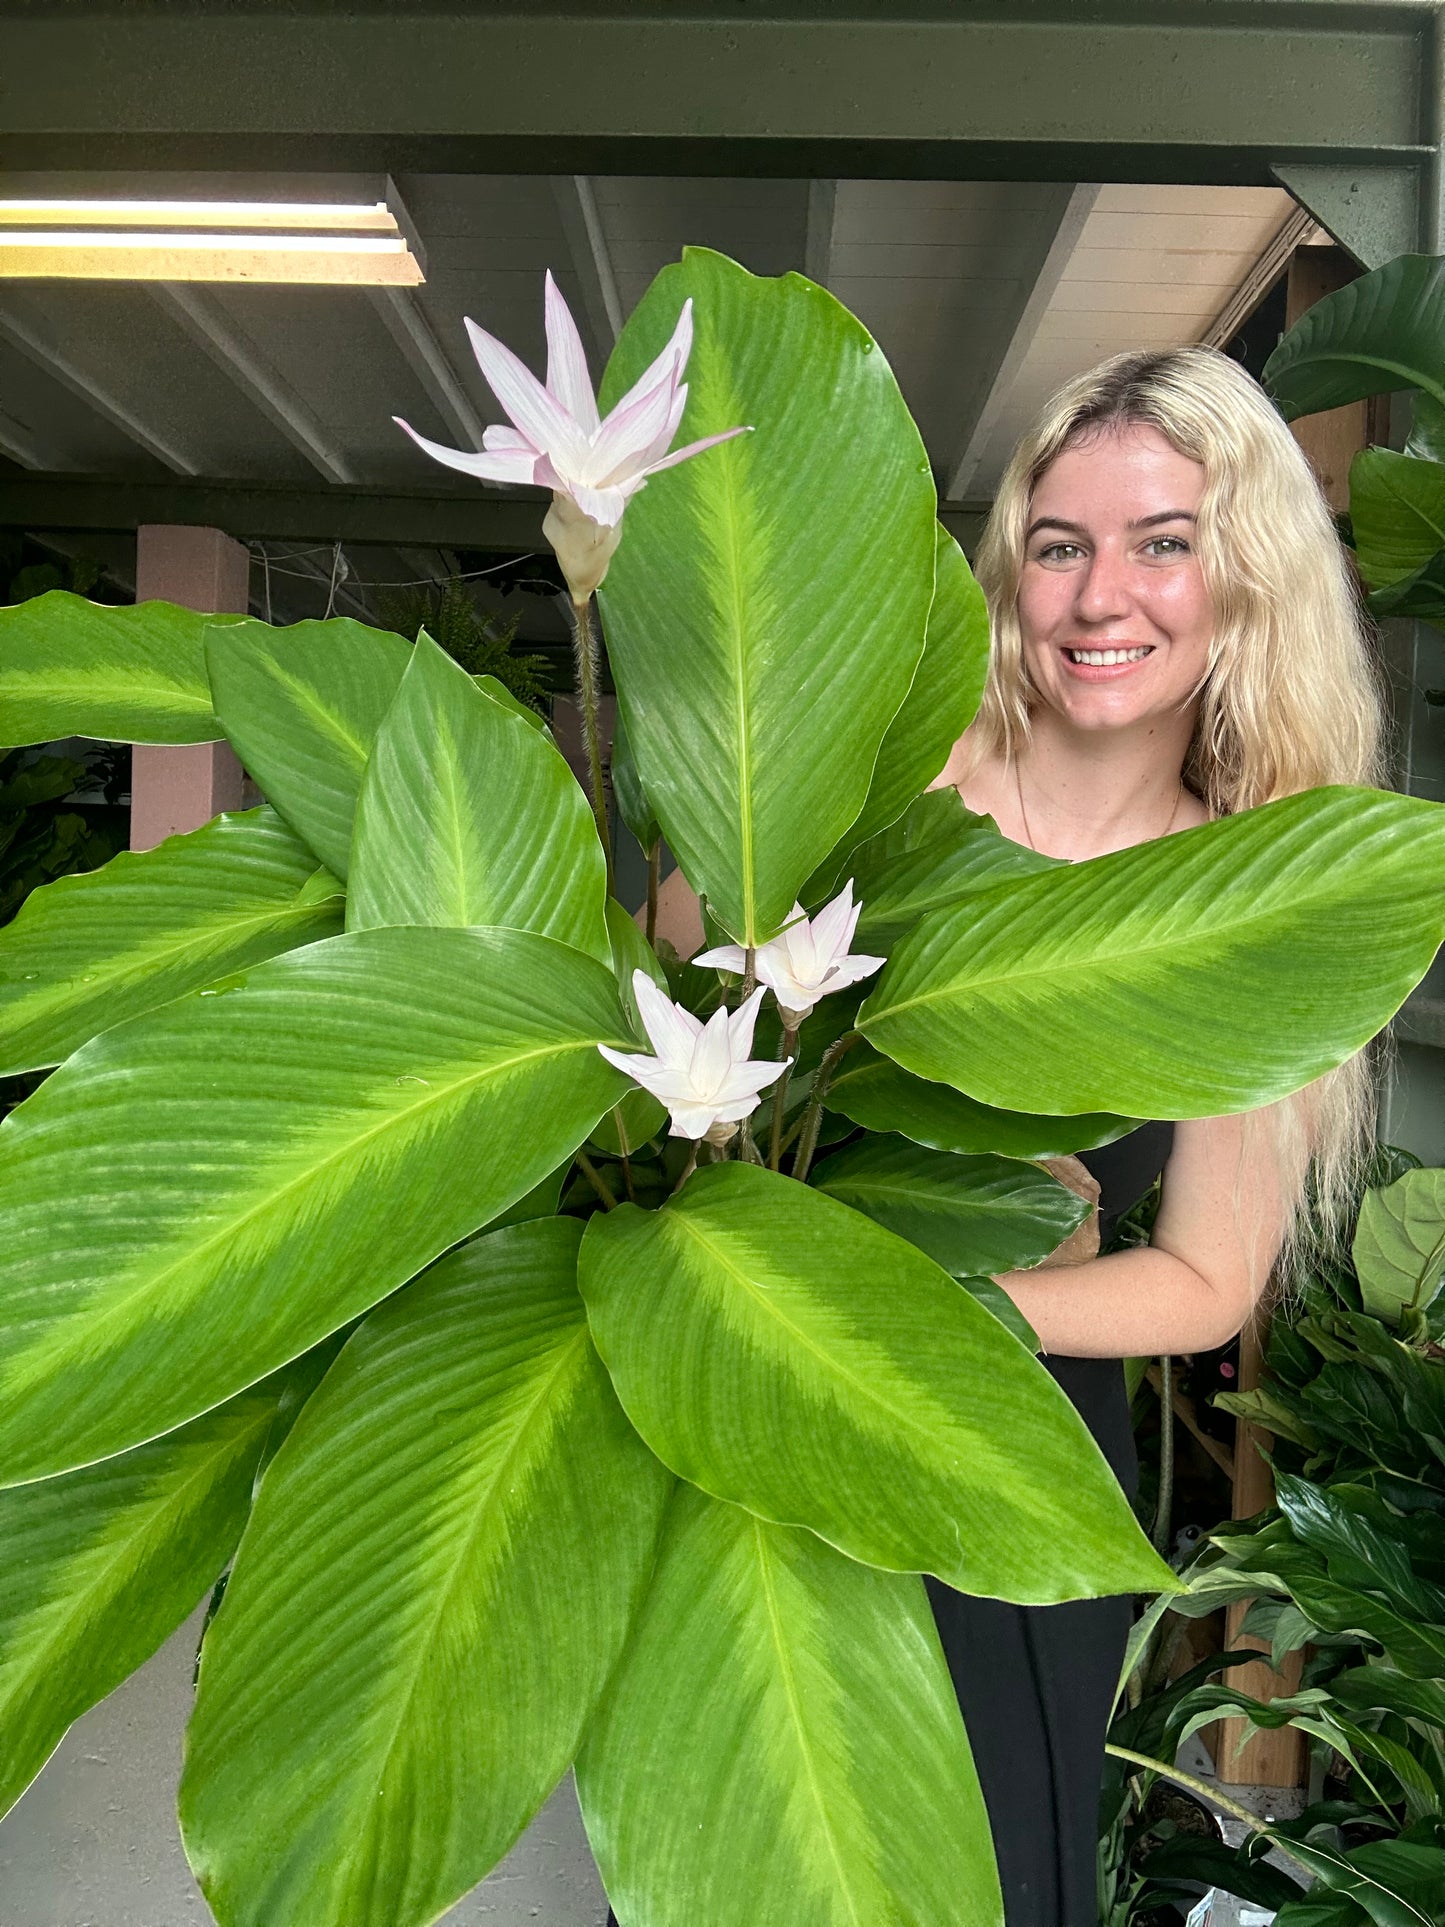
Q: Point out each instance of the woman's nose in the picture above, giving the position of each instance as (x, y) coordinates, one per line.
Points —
(1103, 588)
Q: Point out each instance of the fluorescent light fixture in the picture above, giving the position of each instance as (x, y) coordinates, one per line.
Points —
(238, 241)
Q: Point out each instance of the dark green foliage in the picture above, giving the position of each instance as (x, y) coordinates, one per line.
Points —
(482, 645)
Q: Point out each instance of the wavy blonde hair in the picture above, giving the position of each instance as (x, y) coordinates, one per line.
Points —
(1291, 697)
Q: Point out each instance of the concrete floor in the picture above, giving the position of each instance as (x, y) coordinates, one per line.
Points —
(94, 1842)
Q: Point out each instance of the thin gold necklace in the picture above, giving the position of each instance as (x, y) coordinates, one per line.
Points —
(1029, 835)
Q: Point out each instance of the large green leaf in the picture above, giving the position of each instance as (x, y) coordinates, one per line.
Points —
(767, 608)
(468, 815)
(782, 1742)
(972, 1215)
(1382, 332)
(939, 853)
(70, 667)
(1203, 973)
(302, 707)
(632, 804)
(103, 1564)
(1421, 594)
(939, 706)
(782, 1351)
(90, 950)
(436, 1583)
(1397, 509)
(1399, 1248)
(203, 1193)
(876, 1093)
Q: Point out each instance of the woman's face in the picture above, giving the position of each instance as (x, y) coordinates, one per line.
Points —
(1115, 617)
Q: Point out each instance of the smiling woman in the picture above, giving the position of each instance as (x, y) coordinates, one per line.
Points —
(1175, 638)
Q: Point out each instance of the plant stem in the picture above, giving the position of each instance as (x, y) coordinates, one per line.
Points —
(750, 976)
(589, 669)
(748, 1145)
(595, 1178)
(627, 1178)
(1165, 1505)
(1202, 1790)
(654, 879)
(780, 1098)
(689, 1167)
(813, 1116)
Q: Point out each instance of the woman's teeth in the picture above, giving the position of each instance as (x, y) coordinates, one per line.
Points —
(1105, 658)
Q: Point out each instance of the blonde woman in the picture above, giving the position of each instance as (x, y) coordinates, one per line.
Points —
(1175, 637)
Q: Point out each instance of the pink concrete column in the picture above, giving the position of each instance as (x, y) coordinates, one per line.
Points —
(179, 787)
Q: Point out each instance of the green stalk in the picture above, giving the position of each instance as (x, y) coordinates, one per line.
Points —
(1165, 1505)
(595, 1178)
(1202, 1790)
(780, 1098)
(813, 1116)
(654, 879)
(589, 674)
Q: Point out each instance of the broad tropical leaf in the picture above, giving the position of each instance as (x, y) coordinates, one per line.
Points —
(71, 667)
(784, 1352)
(875, 1092)
(88, 951)
(1382, 332)
(938, 708)
(762, 635)
(939, 853)
(302, 707)
(972, 1215)
(261, 1161)
(1397, 509)
(1239, 961)
(1421, 594)
(435, 1585)
(632, 804)
(782, 1741)
(468, 815)
(103, 1564)
(1399, 1248)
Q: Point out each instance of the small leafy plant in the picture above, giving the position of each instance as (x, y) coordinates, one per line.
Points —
(644, 1482)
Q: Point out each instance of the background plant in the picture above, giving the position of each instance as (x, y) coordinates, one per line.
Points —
(512, 1471)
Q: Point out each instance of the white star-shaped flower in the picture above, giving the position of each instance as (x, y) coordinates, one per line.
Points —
(701, 1072)
(807, 960)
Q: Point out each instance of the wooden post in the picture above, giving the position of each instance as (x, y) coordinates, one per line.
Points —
(179, 787)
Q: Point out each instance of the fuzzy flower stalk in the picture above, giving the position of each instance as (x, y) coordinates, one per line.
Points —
(557, 439)
(701, 1072)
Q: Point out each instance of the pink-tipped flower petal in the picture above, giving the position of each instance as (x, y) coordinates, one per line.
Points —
(498, 466)
(538, 414)
(695, 448)
(567, 376)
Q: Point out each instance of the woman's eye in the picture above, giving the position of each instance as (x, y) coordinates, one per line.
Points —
(1167, 545)
(1059, 552)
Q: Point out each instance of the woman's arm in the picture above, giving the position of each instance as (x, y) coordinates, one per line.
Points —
(1222, 1217)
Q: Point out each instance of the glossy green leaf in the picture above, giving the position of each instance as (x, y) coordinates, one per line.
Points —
(784, 1352)
(468, 815)
(1239, 960)
(631, 951)
(875, 1092)
(302, 707)
(1427, 428)
(762, 631)
(1399, 1248)
(1394, 1882)
(259, 1162)
(1382, 332)
(1397, 508)
(632, 804)
(782, 1741)
(436, 1583)
(939, 706)
(972, 1215)
(103, 1564)
(71, 667)
(90, 950)
(936, 855)
(1421, 595)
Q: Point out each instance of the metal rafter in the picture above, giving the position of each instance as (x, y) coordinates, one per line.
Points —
(429, 362)
(201, 316)
(591, 262)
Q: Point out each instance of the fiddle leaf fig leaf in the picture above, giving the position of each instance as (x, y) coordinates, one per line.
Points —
(762, 636)
(102, 1565)
(72, 667)
(90, 950)
(436, 1583)
(1399, 1248)
(467, 815)
(302, 707)
(786, 1353)
(1240, 960)
(782, 1724)
(972, 1215)
(941, 702)
(261, 1161)
(875, 1092)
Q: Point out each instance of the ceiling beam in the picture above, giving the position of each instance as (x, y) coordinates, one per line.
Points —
(199, 314)
(17, 441)
(591, 260)
(30, 343)
(429, 362)
(1057, 238)
(954, 89)
(505, 523)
